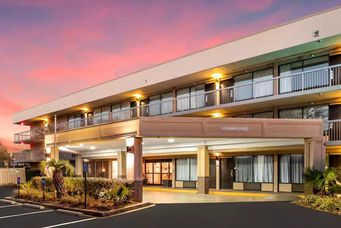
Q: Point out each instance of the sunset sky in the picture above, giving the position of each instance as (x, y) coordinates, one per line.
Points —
(51, 48)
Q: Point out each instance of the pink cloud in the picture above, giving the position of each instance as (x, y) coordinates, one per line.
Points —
(8, 107)
(253, 5)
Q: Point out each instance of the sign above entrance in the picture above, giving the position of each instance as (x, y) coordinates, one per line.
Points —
(227, 128)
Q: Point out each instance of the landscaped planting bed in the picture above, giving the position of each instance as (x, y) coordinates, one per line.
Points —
(330, 204)
(102, 194)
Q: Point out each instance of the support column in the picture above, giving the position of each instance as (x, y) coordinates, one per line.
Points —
(138, 108)
(217, 92)
(203, 169)
(55, 153)
(110, 169)
(173, 171)
(217, 164)
(174, 100)
(78, 165)
(122, 165)
(138, 179)
(275, 82)
(275, 172)
(314, 153)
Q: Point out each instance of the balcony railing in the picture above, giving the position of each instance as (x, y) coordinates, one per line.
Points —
(334, 131)
(303, 81)
(30, 136)
(284, 84)
(105, 117)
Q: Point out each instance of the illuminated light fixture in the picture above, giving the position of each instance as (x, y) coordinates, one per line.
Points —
(48, 150)
(216, 115)
(81, 144)
(130, 141)
(92, 148)
(85, 109)
(216, 76)
(171, 140)
(137, 96)
(22, 124)
(46, 123)
(103, 170)
(85, 160)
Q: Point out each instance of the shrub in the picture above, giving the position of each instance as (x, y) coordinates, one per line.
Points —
(325, 203)
(103, 194)
(324, 182)
(36, 181)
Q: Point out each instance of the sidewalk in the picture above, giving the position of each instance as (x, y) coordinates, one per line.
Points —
(174, 195)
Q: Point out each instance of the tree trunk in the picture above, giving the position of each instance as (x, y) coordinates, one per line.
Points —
(58, 181)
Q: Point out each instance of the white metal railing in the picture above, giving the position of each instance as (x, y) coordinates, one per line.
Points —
(104, 118)
(306, 80)
(334, 130)
(302, 81)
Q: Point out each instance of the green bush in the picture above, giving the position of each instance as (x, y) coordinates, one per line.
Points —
(117, 191)
(36, 182)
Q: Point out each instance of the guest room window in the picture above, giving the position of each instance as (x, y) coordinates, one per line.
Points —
(186, 169)
(291, 168)
(258, 168)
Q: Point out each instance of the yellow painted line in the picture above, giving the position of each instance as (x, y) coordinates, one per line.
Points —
(240, 194)
(170, 190)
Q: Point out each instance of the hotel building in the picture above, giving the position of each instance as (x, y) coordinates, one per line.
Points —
(250, 114)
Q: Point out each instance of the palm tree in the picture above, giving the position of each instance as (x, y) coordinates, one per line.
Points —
(323, 181)
(58, 168)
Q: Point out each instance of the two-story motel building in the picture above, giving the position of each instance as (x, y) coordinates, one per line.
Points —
(250, 114)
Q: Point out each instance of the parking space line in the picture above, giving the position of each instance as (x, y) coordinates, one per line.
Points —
(23, 214)
(13, 205)
(73, 222)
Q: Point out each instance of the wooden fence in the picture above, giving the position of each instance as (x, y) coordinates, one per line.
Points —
(10, 175)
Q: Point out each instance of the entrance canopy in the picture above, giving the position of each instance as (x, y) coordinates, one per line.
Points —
(193, 127)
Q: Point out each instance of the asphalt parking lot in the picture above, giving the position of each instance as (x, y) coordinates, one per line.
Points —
(232, 214)
(18, 215)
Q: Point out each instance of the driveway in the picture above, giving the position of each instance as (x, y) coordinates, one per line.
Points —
(160, 195)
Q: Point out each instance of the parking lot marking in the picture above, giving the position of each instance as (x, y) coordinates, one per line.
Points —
(12, 205)
(73, 222)
(23, 214)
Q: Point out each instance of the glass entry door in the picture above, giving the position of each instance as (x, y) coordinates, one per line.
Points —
(226, 173)
(158, 172)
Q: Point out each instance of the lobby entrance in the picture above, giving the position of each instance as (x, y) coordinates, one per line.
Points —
(158, 172)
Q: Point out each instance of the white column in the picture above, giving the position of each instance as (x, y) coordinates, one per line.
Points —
(78, 165)
(203, 169)
(217, 164)
(122, 165)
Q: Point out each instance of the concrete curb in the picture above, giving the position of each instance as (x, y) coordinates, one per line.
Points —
(90, 212)
(35, 206)
(8, 201)
(76, 213)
